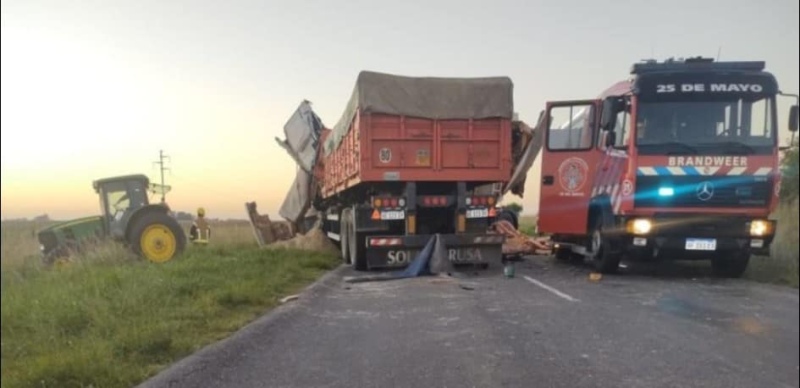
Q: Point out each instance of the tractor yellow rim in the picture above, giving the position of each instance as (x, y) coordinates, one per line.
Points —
(158, 243)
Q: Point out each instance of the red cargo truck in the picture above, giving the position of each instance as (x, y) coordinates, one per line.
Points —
(410, 158)
(678, 162)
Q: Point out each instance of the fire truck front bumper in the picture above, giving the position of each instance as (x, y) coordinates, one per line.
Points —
(696, 236)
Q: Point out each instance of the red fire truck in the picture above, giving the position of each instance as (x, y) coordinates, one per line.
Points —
(680, 161)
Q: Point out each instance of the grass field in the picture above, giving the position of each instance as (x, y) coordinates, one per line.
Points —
(781, 266)
(109, 319)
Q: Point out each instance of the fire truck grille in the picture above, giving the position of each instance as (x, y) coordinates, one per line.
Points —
(703, 191)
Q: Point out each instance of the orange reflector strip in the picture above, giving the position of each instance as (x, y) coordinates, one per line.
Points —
(492, 212)
(462, 223)
(376, 215)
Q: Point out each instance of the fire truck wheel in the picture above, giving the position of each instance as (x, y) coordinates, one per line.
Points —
(730, 264)
(605, 259)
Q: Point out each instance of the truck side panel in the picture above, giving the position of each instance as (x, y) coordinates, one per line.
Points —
(380, 147)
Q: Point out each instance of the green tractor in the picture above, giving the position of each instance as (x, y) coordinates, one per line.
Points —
(128, 216)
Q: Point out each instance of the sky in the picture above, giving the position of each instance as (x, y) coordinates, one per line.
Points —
(96, 88)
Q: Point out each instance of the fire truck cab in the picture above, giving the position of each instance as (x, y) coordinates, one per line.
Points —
(678, 162)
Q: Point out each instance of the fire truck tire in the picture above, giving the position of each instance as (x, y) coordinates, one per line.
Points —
(357, 245)
(605, 257)
(344, 235)
(730, 264)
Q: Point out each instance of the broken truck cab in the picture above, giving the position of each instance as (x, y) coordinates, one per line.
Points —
(410, 158)
(680, 161)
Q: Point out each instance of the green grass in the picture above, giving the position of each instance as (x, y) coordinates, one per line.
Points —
(114, 322)
(782, 265)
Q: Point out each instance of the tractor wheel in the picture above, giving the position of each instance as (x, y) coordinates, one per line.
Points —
(157, 237)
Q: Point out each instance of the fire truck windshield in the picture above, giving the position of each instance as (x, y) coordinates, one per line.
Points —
(696, 126)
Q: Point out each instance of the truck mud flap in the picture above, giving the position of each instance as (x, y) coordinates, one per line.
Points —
(399, 251)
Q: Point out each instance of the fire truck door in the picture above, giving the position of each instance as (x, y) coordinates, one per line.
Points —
(568, 163)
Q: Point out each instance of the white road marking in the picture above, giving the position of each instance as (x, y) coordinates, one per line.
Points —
(551, 289)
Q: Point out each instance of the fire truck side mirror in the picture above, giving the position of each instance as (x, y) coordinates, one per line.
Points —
(793, 119)
(608, 118)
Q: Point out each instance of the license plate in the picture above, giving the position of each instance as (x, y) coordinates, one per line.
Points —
(477, 213)
(393, 215)
(701, 244)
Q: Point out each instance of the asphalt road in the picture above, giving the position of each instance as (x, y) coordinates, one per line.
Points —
(549, 326)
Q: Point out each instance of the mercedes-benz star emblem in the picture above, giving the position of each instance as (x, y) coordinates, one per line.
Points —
(705, 191)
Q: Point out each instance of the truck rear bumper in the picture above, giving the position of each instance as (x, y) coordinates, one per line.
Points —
(399, 251)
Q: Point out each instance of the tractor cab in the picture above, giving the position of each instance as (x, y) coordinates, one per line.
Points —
(120, 198)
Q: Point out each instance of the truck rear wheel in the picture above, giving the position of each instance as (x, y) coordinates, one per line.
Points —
(345, 224)
(605, 259)
(157, 237)
(357, 244)
(730, 264)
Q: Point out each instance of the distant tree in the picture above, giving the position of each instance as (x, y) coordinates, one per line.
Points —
(42, 218)
(514, 207)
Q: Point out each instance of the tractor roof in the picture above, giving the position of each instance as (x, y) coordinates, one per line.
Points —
(132, 177)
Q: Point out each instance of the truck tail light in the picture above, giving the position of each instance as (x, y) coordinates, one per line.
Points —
(478, 201)
(388, 202)
(432, 200)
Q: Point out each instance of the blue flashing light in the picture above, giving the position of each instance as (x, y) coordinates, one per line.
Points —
(666, 191)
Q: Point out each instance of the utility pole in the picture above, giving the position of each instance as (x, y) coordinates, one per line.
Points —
(162, 168)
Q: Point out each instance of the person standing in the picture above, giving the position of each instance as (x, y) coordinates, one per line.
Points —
(200, 232)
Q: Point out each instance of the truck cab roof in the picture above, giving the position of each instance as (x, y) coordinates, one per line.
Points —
(697, 64)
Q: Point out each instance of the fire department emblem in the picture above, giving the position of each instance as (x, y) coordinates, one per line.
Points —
(627, 187)
(572, 174)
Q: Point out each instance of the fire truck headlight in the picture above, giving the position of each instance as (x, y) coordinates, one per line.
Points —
(759, 228)
(640, 226)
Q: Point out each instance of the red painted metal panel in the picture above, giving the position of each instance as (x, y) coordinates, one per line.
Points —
(380, 147)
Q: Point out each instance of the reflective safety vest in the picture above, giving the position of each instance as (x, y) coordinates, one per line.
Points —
(200, 230)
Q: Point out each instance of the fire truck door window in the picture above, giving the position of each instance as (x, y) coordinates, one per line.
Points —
(571, 127)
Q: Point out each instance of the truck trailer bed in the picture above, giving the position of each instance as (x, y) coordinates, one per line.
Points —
(420, 129)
